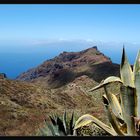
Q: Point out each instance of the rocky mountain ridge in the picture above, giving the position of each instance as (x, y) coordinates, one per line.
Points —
(69, 65)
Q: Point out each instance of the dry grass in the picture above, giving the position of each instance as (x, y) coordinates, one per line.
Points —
(24, 106)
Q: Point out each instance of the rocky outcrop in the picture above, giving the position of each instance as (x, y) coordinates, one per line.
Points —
(66, 67)
(3, 76)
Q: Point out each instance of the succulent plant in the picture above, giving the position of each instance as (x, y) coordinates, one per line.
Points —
(59, 127)
(124, 115)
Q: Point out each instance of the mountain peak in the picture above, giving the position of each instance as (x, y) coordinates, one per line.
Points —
(66, 66)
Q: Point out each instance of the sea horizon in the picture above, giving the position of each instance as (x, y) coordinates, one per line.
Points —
(16, 61)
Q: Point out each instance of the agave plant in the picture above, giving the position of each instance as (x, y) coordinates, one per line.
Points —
(59, 127)
(124, 115)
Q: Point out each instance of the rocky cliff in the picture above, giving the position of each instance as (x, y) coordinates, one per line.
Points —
(69, 65)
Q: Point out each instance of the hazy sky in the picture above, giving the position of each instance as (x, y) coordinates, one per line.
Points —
(31, 34)
(98, 22)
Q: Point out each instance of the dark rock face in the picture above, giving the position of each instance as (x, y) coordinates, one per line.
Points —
(69, 65)
(3, 75)
(67, 56)
(65, 60)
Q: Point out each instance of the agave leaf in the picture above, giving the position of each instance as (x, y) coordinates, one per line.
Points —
(64, 122)
(53, 120)
(87, 119)
(56, 130)
(57, 127)
(112, 118)
(75, 132)
(72, 123)
(43, 132)
(126, 71)
(108, 80)
(129, 107)
(123, 128)
(60, 126)
(114, 104)
(137, 80)
(49, 130)
(105, 100)
(52, 129)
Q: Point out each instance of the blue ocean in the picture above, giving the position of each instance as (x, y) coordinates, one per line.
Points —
(15, 60)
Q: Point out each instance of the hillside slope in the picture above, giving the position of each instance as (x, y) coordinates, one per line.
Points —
(57, 84)
(24, 105)
(69, 65)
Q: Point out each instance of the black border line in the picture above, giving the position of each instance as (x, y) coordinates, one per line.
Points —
(69, 2)
(71, 137)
